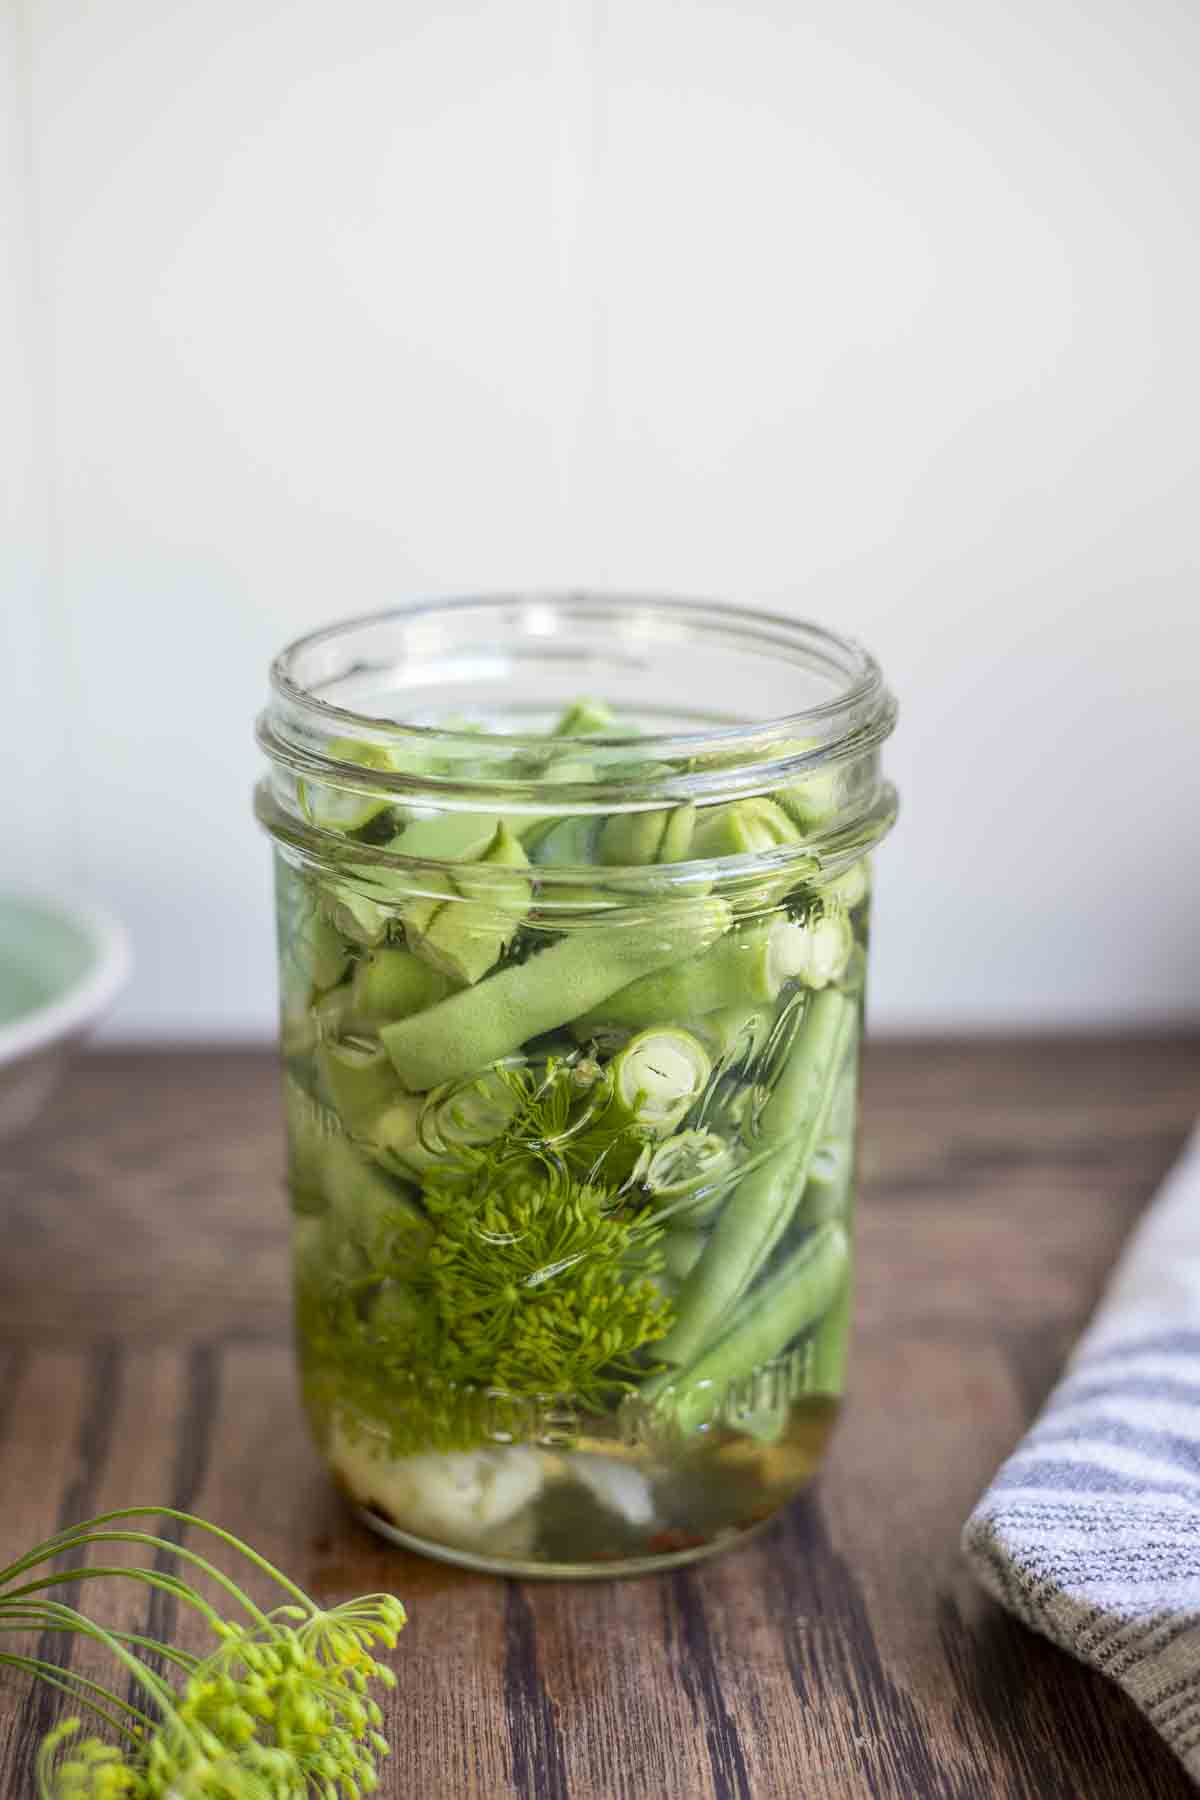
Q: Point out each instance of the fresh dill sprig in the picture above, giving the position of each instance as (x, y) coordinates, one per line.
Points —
(544, 1285)
(277, 1709)
(561, 1122)
(540, 1278)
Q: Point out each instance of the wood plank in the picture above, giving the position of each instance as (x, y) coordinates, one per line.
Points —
(841, 1654)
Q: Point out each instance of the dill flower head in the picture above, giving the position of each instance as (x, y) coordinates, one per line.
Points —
(543, 1284)
(280, 1709)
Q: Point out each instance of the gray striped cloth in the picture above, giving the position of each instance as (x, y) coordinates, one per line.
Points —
(1091, 1531)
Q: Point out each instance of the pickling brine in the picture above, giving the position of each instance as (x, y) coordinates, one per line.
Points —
(571, 1010)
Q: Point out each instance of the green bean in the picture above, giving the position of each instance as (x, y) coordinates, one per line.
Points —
(741, 828)
(801, 1292)
(317, 952)
(358, 916)
(569, 841)
(657, 1078)
(830, 1177)
(367, 1204)
(830, 945)
(686, 1163)
(830, 1348)
(757, 1212)
(682, 1248)
(585, 718)
(332, 808)
(447, 837)
(853, 885)
(750, 964)
(631, 839)
(464, 935)
(814, 799)
(308, 1130)
(392, 983)
(359, 1080)
(735, 1034)
(483, 1023)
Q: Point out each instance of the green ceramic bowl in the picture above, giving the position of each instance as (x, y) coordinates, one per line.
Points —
(60, 968)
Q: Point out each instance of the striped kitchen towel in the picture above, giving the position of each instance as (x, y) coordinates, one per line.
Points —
(1091, 1531)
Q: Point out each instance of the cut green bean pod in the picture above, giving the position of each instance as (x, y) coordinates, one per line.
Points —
(371, 1209)
(585, 718)
(824, 953)
(318, 954)
(742, 828)
(563, 842)
(448, 837)
(465, 934)
(791, 1125)
(790, 1302)
(682, 1248)
(346, 809)
(686, 1163)
(356, 915)
(468, 1112)
(829, 1185)
(359, 1080)
(391, 983)
(735, 1034)
(309, 1128)
(630, 839)
(853, 885)
(657, 1078)
(477, 1027)
(829, 1349)
(750, 964)
(812, 800)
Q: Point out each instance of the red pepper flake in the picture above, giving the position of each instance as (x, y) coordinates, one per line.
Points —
(666, 1542)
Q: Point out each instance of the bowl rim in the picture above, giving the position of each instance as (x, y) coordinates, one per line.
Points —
(87, 998)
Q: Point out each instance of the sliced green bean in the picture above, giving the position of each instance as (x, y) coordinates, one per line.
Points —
(853, 885)
(830, 1180)
(585, 718)
(664, 836)
(657, 1078)
(812, 800)
(682, 1248)
(829, 945)
(464, 936)
(742, 828)
(491, 1020)
(392, 983)
(749, 964)
(830, 1347)
(735, 1034)
(359, 1080)
(685, 1163)
(447, 837)
(346, 809)
(756, 1214)
(367, 1204)
(800, 1292)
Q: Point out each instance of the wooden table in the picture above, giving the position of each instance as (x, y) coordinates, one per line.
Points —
(144, 1355)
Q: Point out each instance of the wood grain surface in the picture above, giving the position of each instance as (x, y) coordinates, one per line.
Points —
(844, 1653)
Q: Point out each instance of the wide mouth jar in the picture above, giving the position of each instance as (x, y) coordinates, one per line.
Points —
(573, 895)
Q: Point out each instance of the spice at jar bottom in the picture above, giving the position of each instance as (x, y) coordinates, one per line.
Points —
(571, 1008)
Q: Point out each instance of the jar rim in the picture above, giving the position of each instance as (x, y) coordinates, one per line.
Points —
(863, 684)
(312, 740)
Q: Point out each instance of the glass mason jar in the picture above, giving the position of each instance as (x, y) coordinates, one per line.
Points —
(572, 903)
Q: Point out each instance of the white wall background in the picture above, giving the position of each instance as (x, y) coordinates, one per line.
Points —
(886, 314)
